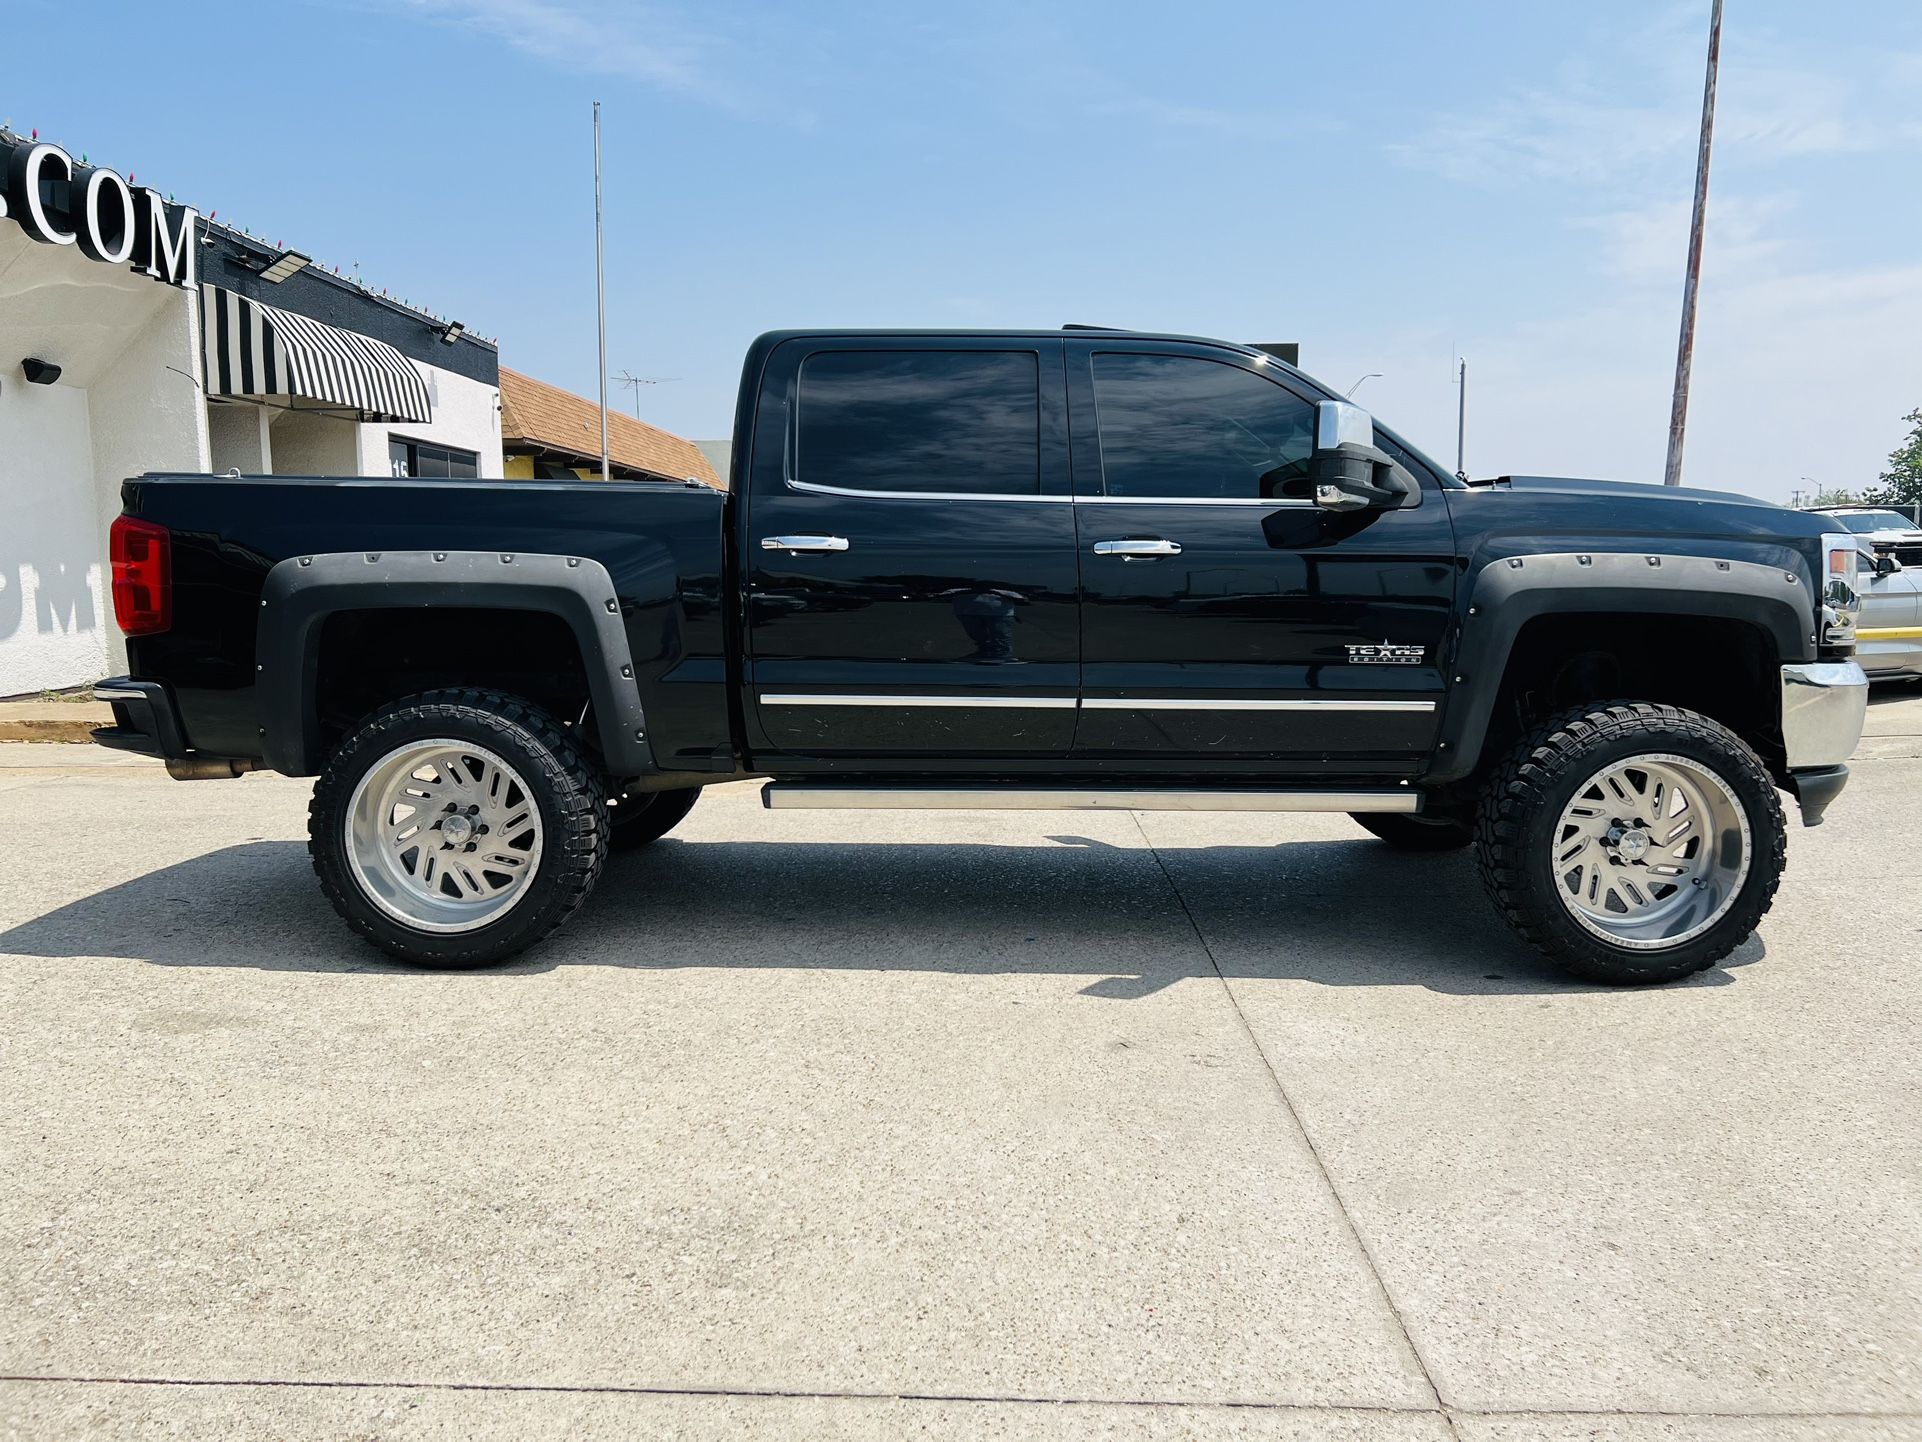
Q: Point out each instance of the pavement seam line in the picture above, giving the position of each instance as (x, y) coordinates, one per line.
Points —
(642, 1389)
(988, 1399)
(1294, 1116)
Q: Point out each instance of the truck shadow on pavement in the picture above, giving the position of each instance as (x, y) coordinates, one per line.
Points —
(1133, 921)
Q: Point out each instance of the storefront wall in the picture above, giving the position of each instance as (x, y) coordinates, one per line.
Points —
(52, 603)
(467, 417)
(127, 401)
(132, 395)
(261, 440)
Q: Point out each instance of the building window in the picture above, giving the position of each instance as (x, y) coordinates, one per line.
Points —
(942, 421)
(418, 458)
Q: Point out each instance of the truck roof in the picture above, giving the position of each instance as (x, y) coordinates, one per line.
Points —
(770, 339)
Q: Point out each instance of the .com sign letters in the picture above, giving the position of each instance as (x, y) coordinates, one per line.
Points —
(60, 203)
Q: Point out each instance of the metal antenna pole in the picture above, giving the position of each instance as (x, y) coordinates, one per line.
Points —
(1461, 420)
(600, 288)
(1685, 348)
(634, 383)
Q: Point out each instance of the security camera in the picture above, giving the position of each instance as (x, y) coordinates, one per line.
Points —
(39, 372)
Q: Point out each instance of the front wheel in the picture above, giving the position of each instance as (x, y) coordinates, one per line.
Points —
(1632, 843)
(456, 828)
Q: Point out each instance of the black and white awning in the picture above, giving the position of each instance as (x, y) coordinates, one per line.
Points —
(261, 352)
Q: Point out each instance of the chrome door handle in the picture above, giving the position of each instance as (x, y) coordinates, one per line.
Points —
(804, 543)
(1137, 550)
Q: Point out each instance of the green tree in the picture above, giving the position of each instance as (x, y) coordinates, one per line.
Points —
(1834, 496)
(1902, 481)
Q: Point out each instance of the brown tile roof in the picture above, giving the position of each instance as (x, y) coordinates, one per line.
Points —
(534, 413)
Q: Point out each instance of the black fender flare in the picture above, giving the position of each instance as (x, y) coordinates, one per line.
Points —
(1511, 591)
(303, 591)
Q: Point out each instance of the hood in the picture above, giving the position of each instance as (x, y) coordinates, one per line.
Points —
(1643, 490)
(1723, 506)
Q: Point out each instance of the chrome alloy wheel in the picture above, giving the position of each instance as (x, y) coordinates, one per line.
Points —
(443, 835)
(1651, 852)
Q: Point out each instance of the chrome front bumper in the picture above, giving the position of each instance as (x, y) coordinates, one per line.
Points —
(1824, 704)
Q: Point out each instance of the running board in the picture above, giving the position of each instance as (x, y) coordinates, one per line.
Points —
(810, 795)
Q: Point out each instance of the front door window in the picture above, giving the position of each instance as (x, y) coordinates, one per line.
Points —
(1180, 427)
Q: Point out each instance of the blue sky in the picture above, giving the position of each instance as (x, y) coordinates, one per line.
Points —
(1387, 183)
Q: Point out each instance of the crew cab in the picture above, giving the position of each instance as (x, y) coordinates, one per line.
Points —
(962, 570)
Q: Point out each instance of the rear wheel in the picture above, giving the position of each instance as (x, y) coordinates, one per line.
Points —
(457, 828)
(1632, 843)
(1416, 833)
(637, 820)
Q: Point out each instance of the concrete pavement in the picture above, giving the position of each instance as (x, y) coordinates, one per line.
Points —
(992, 1124)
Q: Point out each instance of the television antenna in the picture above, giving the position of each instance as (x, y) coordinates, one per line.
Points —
(634, 383)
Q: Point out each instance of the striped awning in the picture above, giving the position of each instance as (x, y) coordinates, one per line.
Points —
(261, 352)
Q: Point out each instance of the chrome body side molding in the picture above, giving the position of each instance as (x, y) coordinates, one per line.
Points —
(1098, 703)
(1020, 703)
(1224, 703)
(809, 795)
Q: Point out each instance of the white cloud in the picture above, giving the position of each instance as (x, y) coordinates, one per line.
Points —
(594, 37)
(1797, 373)
(1590, 126)
(1804, 361)
(1571, 133)
(1645, 245)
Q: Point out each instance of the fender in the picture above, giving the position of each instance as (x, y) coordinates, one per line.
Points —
(1511, 591)
(303, 591)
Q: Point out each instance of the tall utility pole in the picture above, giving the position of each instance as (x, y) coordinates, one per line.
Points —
(1461, 420)
(600, 285)
(1685, 349)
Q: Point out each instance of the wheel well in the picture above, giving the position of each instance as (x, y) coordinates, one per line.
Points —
(368, 658)
(1725, 669)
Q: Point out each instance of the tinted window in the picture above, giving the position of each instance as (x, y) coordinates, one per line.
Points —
(921, 421)
(1177, 426)
(417, 458)
(1864, 522)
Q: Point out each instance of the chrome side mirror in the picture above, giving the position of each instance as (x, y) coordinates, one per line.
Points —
(1349, 471)
(1342, 423)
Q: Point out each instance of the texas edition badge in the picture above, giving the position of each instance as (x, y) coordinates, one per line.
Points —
(1386, 654)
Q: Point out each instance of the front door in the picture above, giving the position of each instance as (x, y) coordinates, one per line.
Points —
(910, 571)
(1227, 621)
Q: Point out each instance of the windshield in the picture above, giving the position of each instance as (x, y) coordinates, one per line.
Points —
(1862, 522)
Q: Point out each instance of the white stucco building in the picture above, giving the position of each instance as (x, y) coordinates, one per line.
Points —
(135, 336)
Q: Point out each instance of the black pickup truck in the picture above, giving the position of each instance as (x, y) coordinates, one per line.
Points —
(1012, 570)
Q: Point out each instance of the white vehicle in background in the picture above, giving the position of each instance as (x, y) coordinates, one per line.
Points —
(1878, 525)
(1888, 637)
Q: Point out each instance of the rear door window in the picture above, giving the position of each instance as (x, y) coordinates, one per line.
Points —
(920, 422)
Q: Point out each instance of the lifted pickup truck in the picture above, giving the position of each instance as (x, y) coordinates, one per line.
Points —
(1035, 569)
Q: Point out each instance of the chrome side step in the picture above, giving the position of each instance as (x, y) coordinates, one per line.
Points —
(824, 795)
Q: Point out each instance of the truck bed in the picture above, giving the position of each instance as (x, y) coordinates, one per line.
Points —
(661, 544)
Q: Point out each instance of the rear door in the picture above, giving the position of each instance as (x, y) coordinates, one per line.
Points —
(1228, 621)
(910, 570)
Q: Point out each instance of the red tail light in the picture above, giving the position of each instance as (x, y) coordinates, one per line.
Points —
(143, 591)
